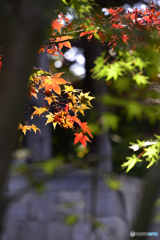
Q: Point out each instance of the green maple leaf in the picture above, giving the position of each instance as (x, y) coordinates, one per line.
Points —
(99, 65)
(140, 79)
(114, 71)
(151, 163)
(131, 162)
(139, 63)
(151, 152)
(127, 65)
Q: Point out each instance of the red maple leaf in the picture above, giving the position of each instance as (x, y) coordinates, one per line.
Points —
(80, 137)
(86, 128)
(89, 33)
(0, 63)
(124, 38)
(57, 24)
(75, 119)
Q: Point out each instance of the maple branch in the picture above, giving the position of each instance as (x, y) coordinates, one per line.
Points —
(79, 37)
(66, 33)
(140, 154)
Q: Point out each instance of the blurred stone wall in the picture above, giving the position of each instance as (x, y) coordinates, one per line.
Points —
(71, 208)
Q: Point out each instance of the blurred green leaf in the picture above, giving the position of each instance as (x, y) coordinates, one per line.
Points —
(133, 109)
(140, 79)
(109, 120)
(65, 2)
(71, 220)
(51, 165)
(112, 182)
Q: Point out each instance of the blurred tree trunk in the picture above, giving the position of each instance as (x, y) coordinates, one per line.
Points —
(101, 146)
(23, 26)
(39, 144)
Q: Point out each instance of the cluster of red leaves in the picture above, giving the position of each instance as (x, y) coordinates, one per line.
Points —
(144, 19)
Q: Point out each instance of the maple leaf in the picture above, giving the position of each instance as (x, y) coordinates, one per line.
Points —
(86, 129)
(35, 129)
(85, 98)
(68, 89)
(131, 162)
(80, 137)
(52, 83)
(124, 38)
(75, 119)
(89, 33)
(55, 118)
(140, 79)
(68, 123)
(24, 128)
(111, 10)
(39, 111)
(57, 24)
(114, 71)
(81, 108)
(64, 41)
(42, 49)
(49, 100)
(33, 92)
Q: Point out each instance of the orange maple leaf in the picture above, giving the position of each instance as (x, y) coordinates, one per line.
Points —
(42, 49)
(80, 137)
(64, 41)
(49, 100)
(52, 83)
(57, 24)
(32, 92)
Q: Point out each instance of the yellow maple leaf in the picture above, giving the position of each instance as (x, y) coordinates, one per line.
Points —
(24, 128)
(39, 111)
(85, 98)
(34, 128)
